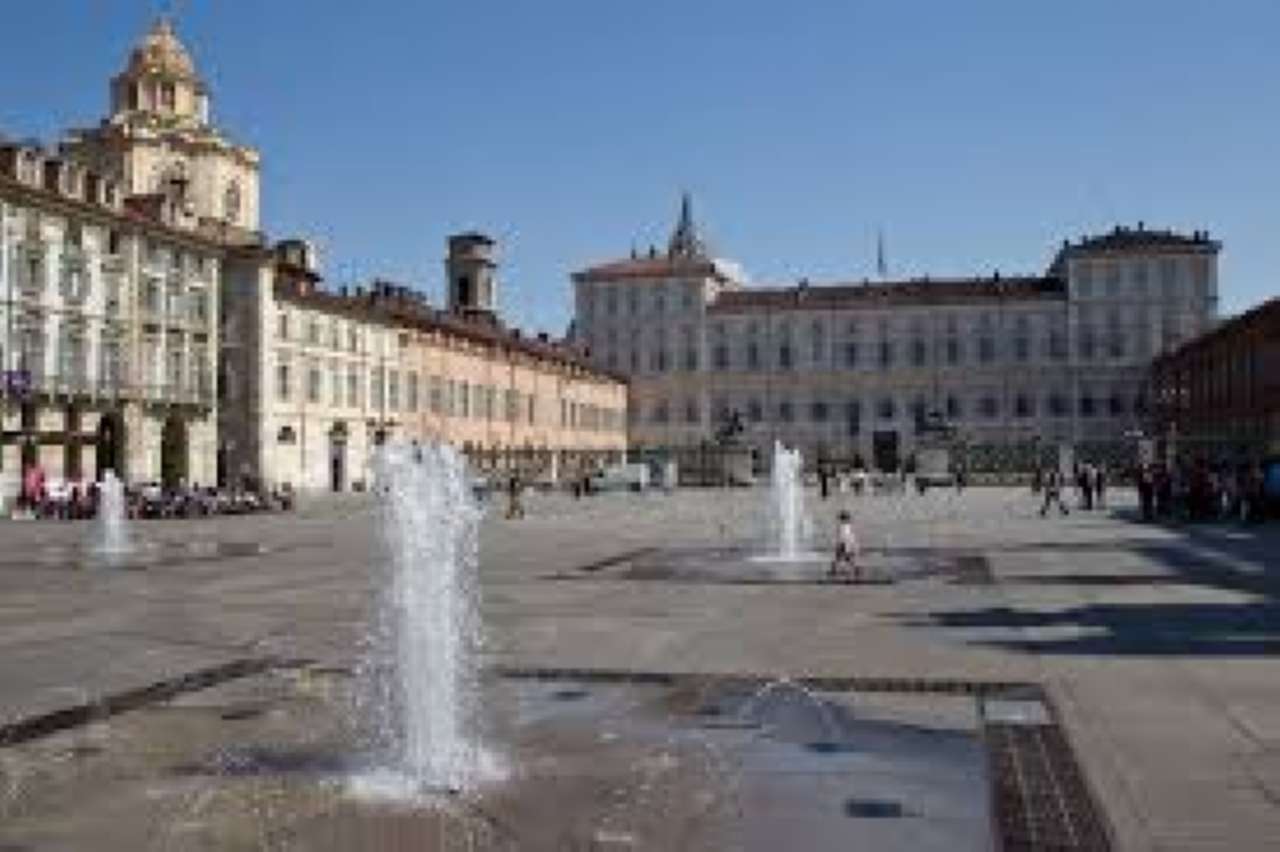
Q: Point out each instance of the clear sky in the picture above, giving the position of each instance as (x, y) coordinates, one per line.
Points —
(976, 134)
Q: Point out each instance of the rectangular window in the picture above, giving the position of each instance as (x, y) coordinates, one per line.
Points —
(437, 395)
(393, 390)
(753, 356)
(353, 385)
(818, 411)
(282, 378)
(282, 326)
(784, 356)
(886, 354)
(375, 387)
(413, 392)
(313, 384)
(851, 355)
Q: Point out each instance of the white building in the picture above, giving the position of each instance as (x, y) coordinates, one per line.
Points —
(852, 369)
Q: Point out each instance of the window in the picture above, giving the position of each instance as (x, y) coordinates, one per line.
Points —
(720, 356)
(113, 242)
(353, 339)
(611, 301)
(462, 399)
(1086, 344)
(1023, 406)
(335, 384)
(1084, 278)
(784, 356)
(954, 410)
(1021, 349)
(313, 331)
(886, 409)
(375, 387)
(1115, 405)
(755, 411)
(660, 411)
(989, 407)
(393, 390)
(1169, 275)
(691, 359)
(691, 411)
(786, 413)
(412, 391)
(918, 410)
(1057, 404)
(1088, 406)
(919, 352)
(313, 383)
(353, 386)
(953, 351)
(1113, 278)
(1057, 345)
(753, 356)
(853, 416)
(282, 326)
(986, 350)
(282, 377)
(1138, 275)
(851, 355)
(437, 395)
(818, 411)
(886, 354)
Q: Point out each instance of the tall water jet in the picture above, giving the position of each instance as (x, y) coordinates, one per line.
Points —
(788, 518)
(111, 533)
(422, 674)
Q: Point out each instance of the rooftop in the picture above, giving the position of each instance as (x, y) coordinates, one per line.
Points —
(919, 291)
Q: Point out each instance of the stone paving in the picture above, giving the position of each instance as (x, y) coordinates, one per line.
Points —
(1158, 645)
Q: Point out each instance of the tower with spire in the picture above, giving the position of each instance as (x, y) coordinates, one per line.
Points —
(158, 140)
(686, 242)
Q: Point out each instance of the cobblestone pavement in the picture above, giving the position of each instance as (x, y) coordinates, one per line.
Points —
(1158, 644)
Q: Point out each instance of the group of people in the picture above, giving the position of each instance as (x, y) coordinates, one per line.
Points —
(1091, 487)
(73, 500)
(1202, 491)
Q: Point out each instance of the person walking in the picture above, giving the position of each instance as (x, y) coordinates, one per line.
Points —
(515, 505)
(1053, 493)
(1100, 486)
(845, 563)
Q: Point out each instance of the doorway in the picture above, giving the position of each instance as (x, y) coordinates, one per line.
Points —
(110, 446)
(884, 450)
(173, 452)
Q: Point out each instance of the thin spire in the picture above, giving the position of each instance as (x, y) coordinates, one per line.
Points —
(882, 266)
(685, 241)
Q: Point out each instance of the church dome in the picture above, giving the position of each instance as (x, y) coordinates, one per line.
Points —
(160, 53)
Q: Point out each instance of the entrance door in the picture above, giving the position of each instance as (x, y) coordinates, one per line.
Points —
(173, 452)
(337, 464)
(884, 448)
(110, 446)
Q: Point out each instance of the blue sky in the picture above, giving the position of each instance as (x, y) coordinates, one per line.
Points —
(976, 134)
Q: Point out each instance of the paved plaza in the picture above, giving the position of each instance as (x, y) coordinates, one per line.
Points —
(1156, 645)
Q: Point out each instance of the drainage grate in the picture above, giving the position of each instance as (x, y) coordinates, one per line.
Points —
(1039, 797)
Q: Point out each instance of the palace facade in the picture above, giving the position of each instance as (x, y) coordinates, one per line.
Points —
(148, 325)
(850, 369)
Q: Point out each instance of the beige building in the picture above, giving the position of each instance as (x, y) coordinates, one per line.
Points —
(313, 380)
(108, 330)
(848, 370)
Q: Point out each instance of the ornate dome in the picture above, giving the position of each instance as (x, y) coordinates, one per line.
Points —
(160, 52)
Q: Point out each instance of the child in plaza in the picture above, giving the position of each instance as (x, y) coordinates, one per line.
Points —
(845, 562)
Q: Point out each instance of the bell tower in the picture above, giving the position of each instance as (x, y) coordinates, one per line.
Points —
(470, 268)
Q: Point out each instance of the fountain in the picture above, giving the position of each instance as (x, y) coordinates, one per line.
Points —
(790, 522)
(421, 678)
(111, 533)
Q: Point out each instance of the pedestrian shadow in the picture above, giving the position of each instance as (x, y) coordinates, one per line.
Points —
(1246, 629)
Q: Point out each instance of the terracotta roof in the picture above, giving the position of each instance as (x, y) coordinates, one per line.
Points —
(650, 267)
(913, 292)
(403, 308)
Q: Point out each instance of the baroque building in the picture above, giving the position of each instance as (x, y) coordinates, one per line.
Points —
(108, 329)
(856, 369)
(148, 326)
